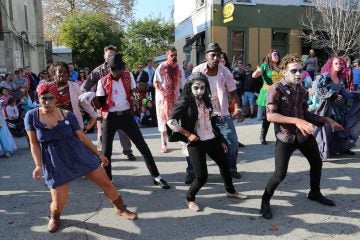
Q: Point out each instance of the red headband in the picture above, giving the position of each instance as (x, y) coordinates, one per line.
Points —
(47, 87)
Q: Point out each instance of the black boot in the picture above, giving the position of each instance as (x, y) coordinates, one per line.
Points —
(266, 210)
(317, 196)
(265, 205)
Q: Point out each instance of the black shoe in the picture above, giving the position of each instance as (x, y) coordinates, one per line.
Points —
(240, 145)
(131, 157)
(235, 175)
(266, 210)
(348, 152)
(189, 178)
(317, 196)
(162, 183)
(263, 141)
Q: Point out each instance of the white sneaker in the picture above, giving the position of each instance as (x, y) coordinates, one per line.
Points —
(236, 195)
(193, 206)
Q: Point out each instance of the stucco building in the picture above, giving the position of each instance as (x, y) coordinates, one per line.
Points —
(245, 29)
(21, 35)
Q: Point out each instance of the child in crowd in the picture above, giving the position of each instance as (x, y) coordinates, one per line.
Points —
(5, 97)
(7, 143)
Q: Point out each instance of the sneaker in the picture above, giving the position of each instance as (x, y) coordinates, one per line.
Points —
(131, 157)
(189, 178)
(240, 145)
(236, 195)
(7, 155)
(193, 206)
(162, 183)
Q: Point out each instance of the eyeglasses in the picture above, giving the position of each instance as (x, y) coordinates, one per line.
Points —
(82, 72)
(47, 98)
(294, 71)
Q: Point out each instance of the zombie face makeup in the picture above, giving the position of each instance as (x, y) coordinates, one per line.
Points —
(275, 57)
(293, 73)
(198, 88)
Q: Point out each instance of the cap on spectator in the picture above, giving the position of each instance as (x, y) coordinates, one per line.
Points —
(213, 47)
(356, 60)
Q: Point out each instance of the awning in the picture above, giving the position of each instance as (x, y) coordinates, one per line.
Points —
(192, 40)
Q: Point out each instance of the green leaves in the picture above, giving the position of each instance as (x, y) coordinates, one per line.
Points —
(146, 39)
(87, 34)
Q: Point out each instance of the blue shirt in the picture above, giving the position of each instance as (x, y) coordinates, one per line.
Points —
(356, 75)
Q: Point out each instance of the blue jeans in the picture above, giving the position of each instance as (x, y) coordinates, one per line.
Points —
(227, 128)
(261, 113)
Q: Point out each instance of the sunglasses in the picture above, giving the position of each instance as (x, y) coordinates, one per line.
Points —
(294, 71)
(82, 72)
(47, 98)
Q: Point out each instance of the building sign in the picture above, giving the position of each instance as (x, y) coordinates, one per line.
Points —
(228, 12)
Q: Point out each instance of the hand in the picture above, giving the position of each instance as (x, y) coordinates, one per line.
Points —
(136, 94)
(335, 126)
(193, 138)
(238, 115)
(99, 119)
(305, 127)
(340, 98)
(104, 160)
(37, 173)
(224, 146)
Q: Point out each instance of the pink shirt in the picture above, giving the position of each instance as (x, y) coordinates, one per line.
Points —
(224, 85)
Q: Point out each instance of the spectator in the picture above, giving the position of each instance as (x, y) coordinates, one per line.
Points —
(7, 142)
(73, 73)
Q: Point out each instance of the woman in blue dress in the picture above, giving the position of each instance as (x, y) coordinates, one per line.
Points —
(339, 104)
(62, 153)
(7, 143)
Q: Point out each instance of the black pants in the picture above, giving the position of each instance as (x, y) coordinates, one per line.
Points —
(126, 122)
(197, 153)
(283, 152)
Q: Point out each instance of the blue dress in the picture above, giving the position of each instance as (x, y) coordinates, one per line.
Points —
(345, 112)
(7, 142)
(64, 156)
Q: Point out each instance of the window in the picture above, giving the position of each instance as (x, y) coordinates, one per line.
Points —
(11, 11)
(280, 39)
(26, 18)
(238, 45)
(1, 28)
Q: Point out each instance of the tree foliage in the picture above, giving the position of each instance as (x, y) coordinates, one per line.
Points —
(333, 25)
(146, 39)
(87, 34)
(56, 11)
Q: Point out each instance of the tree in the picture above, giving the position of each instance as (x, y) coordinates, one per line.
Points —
(87, 34)
(56, 11)
(334, 25)
(146, 39)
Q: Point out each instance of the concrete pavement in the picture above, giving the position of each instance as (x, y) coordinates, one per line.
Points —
(163, 214)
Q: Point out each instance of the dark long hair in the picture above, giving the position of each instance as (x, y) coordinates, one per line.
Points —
(189, 96)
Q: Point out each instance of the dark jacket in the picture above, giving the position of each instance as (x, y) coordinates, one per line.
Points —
(186, 111)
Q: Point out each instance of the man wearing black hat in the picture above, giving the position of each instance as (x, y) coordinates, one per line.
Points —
(114, 92)
(223, 86)
(89, 85)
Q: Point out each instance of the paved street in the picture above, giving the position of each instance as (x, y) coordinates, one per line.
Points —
(163, 214)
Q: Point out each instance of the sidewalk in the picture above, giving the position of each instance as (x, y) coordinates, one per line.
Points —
(163, 214)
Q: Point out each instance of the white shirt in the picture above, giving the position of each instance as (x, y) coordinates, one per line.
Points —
(214, 97)
(118, 94)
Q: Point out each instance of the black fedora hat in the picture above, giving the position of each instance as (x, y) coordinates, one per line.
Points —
(116, 62)
(213, 47)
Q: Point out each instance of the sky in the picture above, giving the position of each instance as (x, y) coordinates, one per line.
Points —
(146, 8)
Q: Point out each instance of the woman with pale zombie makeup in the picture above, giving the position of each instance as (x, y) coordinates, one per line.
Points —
(192, 122)
(62, 153)
(336, 102)
(271, 73)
